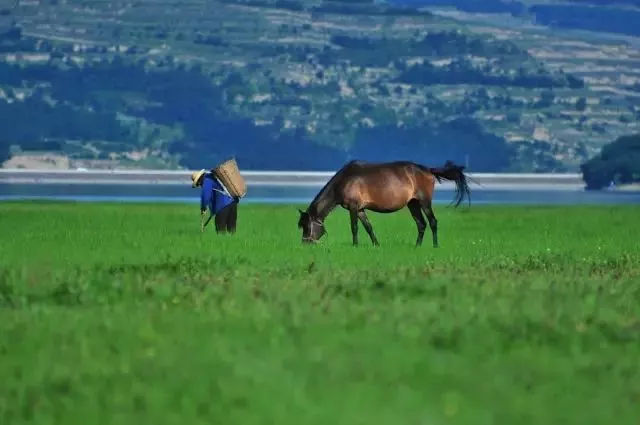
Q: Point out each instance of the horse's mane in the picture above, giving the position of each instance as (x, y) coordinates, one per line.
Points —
(330, 184)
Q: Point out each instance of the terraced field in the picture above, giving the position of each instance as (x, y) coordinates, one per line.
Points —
(319, 75)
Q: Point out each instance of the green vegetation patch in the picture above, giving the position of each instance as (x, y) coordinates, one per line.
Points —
(127, 314)
(618, 162)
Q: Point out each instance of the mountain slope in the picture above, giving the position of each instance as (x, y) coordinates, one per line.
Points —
(304, 85)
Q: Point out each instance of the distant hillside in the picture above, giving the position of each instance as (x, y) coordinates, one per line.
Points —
(473, 6)
(305, 85)
(617, 16)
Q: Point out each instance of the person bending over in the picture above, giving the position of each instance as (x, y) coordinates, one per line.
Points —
(216, 198)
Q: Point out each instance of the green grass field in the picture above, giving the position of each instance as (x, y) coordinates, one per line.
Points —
(126, 314)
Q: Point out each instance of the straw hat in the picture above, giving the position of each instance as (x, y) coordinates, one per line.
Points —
(195, 176)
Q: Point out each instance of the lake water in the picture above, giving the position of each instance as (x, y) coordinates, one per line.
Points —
(289, 195)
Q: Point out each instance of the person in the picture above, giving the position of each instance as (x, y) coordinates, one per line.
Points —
(216, 198)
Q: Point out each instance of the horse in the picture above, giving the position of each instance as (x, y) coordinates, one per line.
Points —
(385, 188)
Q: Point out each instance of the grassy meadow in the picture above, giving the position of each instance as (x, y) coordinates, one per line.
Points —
(127, 314)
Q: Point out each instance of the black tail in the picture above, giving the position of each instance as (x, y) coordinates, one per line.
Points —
(454, 173)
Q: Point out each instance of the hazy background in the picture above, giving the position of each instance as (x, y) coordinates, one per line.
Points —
(531, 86)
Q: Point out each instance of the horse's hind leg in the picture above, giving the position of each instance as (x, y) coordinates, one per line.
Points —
(416, 212)
(367, 226)
(354, 225)
(433, 223)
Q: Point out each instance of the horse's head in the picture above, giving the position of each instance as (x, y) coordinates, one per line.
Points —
(312, 228)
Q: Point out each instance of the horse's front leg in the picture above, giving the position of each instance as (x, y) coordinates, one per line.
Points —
(367, 226)
(354, 226)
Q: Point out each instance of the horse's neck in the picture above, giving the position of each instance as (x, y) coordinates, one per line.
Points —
(323, 204)
(327, 199)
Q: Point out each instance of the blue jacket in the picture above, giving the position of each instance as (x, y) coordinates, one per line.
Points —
(213, 195)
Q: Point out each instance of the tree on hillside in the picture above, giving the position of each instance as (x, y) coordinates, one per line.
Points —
(618, 161)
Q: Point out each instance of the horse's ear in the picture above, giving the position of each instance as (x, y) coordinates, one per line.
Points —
(300, 211)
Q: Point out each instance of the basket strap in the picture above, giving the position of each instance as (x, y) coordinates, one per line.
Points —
(225, 191)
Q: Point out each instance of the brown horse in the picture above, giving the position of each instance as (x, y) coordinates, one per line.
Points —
(384, 188)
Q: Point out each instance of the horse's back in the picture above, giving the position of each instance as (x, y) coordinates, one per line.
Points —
(399, 169)
(381, 187)
(362, 164)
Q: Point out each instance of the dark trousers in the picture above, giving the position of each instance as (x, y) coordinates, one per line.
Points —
(226, 218)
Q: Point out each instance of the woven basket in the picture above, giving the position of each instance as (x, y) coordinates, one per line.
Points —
(231, 178)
